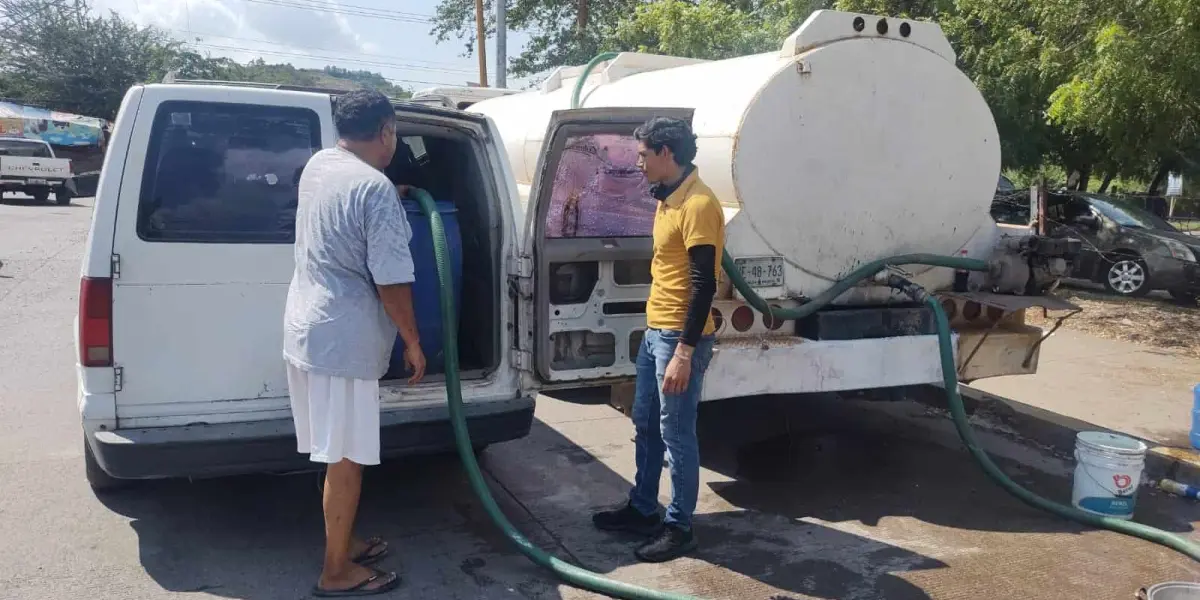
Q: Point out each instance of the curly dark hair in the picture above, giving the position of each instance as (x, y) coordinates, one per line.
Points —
(665, 132)
(361, 114)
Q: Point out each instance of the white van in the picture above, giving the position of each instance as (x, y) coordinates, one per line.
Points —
(187, 266)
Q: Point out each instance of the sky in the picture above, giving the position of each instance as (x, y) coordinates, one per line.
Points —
(391, 37)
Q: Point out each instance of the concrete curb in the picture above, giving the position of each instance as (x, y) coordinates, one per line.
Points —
(1057, 432)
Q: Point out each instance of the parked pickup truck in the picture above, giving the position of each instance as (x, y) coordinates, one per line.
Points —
(29, 166)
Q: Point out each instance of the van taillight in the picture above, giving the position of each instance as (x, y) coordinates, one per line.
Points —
(95, 322)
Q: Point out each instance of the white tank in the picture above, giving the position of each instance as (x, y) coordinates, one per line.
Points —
(859, 139)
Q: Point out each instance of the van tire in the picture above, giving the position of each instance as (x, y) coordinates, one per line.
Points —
(100, 481)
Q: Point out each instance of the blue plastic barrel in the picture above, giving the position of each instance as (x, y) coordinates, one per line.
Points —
(426, 303)
(1196, 417)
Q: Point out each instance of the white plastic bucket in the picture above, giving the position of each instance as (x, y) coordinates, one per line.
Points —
(1108, 471)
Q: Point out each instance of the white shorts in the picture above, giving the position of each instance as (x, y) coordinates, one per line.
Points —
(336, 418)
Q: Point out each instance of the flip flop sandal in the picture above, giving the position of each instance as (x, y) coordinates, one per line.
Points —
(376, 549)
(390, 582)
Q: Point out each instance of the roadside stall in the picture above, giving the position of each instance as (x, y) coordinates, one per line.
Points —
(78, 138)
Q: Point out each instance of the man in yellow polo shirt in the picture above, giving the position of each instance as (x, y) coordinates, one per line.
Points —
(689, 236)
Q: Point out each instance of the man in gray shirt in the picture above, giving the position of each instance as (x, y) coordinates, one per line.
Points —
(350, 293)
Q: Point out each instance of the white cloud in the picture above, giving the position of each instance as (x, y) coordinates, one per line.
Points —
(295, 28)
(300, 28)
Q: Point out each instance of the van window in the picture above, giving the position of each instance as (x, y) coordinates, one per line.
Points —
(599, 191)
(225, 173)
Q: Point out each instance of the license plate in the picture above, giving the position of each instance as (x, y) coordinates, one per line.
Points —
(761, 272)
(36, 181)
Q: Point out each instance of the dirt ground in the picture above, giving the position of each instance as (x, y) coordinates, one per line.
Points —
(1153, 321)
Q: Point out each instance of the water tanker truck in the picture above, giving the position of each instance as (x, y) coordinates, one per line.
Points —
(859, 139)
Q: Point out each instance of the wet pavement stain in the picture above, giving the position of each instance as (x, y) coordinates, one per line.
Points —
(471, 567)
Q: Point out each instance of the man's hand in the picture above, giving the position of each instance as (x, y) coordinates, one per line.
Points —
(414, 359)
(397, 302)
(679, 371)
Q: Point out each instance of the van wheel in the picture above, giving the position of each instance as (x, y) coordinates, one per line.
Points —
(63, 196)
(100, 481)
(40, 197)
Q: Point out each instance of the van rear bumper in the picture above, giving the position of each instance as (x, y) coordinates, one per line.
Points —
(270, 446)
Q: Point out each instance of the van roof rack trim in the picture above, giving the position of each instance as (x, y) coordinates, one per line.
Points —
(255, 84)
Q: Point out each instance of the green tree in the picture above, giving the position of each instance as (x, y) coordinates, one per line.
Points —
(560, 33)
(1136, 85)
(708, 29)
(367, 79)
(57, 53)
(571, 32)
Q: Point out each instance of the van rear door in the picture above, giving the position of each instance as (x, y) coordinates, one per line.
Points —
(588, 246)
(202, 251)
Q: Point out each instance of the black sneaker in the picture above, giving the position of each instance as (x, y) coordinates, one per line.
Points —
(673, 542)
(627, 519)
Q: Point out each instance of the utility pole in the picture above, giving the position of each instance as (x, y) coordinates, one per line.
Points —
(581, 16)
(501, 43)
(481, 42)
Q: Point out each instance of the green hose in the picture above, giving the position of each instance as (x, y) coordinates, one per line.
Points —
(863, 272)
(594, 582)
(949, 368)
(583, 75)
(568, 572)
(959, 414)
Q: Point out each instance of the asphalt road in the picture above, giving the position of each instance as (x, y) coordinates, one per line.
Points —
(831, 511)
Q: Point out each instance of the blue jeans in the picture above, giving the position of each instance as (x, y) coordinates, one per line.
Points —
(667, 423)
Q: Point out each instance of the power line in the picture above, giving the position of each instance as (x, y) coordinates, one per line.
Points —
(343, 5)
(433, 63)
(369, 13)
(399, 12)
(297, 55)
(374, 63)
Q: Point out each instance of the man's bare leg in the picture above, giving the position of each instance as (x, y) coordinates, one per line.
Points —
(343, 486)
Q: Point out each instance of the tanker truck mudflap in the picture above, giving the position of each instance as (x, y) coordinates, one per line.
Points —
(583, 276)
